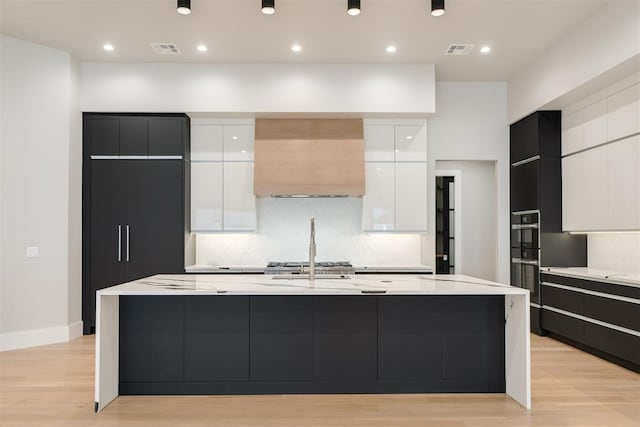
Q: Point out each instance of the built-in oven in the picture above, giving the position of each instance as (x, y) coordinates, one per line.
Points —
(525, 230)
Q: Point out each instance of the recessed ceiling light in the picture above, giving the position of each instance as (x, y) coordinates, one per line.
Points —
(409, 137)
(234, 137)
(202, 48)
(108, 47)
(296, 48)
(485, 49)
(391, 49)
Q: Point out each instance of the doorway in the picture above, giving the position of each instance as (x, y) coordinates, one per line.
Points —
(445, 225)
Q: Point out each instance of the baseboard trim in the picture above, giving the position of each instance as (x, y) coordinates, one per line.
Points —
(38, 337)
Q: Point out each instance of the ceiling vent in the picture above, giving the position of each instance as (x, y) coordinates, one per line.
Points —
(459, 49)
(165, 48)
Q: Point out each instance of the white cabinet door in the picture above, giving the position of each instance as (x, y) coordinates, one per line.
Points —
(379, 143)
(595, 124)
(411, 143)
(239, 202)
(585, 191)
(624, 184)
(206, 142)
(378, 203)
(206, 196)
(239, 142)
(411, 197)
(624, 113)
(572, 132)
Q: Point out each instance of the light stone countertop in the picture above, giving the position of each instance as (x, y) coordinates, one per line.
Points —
(361, 284)
(609, 276)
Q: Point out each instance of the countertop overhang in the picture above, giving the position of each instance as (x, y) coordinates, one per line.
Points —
(360, 284)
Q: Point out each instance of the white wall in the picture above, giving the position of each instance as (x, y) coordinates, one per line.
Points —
(604, 41)
(283, 235)
(258, 88)
(37, 87)
(476, 183)
(471, 124)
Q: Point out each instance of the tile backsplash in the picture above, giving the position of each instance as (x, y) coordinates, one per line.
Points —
(283, 235)
(615, 252)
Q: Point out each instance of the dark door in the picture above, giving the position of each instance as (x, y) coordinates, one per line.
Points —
(108, 201)
(524, 187)
(133, 136)
(103, 135)
(165, 136)
(153, 234)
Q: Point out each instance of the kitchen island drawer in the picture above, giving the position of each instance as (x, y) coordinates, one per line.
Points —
(616, 343)
(610, 310)
(562, 324)
(563, 299)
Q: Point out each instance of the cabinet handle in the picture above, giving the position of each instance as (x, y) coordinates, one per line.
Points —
(127, 242)
(119, 243)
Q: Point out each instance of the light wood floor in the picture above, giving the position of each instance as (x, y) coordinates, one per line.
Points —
(53, 386)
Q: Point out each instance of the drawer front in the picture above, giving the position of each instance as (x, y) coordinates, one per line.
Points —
(605, 288)
(563, 299)
(616, 343)
(620, 313)
(563, 325)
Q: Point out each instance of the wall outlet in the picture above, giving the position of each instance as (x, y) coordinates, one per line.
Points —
(33, 251)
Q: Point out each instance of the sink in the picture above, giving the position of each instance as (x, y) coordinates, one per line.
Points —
(306, 276)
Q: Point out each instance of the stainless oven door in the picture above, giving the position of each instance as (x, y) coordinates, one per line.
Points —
(525, 273)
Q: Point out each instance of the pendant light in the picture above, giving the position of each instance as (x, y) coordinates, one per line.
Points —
(437, 7)
(184, 7)
(353, 7)
(268, 7)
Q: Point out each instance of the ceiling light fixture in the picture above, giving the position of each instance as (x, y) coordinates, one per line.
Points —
(268, 7)
(184, 7)
(391, 49)
(296, 48)
(485, 49)
(108, 47)
(202, 48)
(353, 7)
(437, 7)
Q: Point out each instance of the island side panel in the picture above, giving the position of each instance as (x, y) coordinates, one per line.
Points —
(518, 349)
(107, 350)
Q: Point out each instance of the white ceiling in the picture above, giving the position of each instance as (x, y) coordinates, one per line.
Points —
(236, 31)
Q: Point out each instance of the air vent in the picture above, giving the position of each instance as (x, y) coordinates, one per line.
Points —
(459, 49)
(165, 48)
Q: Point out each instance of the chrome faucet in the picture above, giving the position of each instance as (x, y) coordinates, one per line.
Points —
(312, 251)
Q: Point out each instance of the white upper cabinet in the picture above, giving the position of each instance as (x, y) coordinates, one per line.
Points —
(239, 201)
(411, 197)
(572, 132)
(624, 184)
(378, 203)
(206, 196)
(585, 188)
(206, 142)
(379, 143)
(238, 142)
(411, 143)
(595, 124)
(624, 112)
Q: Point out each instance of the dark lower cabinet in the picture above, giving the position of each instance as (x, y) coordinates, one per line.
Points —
(216, 338)
(152, 339)
(281, 338)
(346, 338)
(223, 344)
(473, 338)
(606, 323)
(410, 345)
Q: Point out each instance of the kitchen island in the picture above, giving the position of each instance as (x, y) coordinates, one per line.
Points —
(237, 334)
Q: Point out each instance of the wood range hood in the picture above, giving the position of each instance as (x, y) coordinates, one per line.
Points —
(309, 158)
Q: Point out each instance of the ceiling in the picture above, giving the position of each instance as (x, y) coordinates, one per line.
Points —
(236, 31)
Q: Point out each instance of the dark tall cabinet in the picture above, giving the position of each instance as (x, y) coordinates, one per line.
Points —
(134, 200)
(537, 239)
